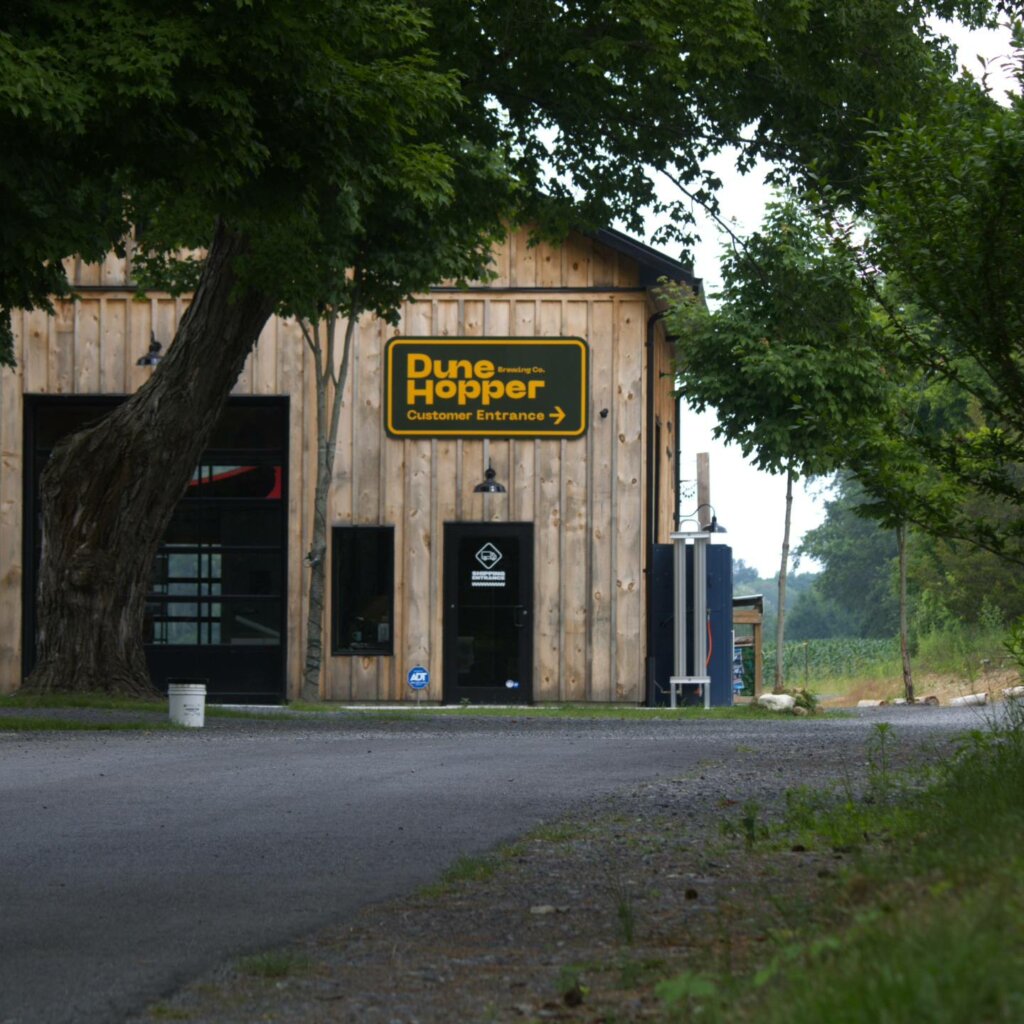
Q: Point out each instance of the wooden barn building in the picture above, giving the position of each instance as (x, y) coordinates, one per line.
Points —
(526, 584)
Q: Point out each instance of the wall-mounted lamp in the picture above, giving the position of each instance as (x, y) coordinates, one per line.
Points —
(713, 527)
(489, 485)
(152, 357)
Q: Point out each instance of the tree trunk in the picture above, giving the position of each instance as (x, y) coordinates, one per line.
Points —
(108, 492)
(327, 441)
(908, 679)
(780, 622)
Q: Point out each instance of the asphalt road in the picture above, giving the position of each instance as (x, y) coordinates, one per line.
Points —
(130, 862)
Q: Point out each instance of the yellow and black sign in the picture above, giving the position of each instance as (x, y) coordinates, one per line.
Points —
(486, 387)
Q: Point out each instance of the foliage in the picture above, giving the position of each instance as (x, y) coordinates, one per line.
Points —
(859, 562)
(927, 914)
(274, 964)
(798, 584)
(587, 96)
(1014, 644)
(744, 577)
(817, 617)
(968, 583)
(282, 120)
(944, 449)
(267, 115)
(784, 398)
(787, 400)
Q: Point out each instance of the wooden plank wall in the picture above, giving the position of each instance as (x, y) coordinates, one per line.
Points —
(585, 496)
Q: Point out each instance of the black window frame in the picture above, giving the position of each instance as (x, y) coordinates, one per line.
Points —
(361, 540)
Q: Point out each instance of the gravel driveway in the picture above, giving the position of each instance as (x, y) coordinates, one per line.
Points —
(136, 863)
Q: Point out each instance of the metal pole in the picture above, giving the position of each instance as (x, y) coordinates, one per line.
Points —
(700, 605)
(679, 610)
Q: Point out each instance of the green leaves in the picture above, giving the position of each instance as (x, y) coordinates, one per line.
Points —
(789, 360)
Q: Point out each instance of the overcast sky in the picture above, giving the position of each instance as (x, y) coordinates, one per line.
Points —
(751, 504)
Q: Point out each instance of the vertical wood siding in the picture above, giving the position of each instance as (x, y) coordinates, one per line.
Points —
(585, 497)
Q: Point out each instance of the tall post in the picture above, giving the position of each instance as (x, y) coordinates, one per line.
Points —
(700, 604)
(703, 490)
(679, 604)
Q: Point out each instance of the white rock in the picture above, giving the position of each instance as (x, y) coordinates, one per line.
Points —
(1013, 691)
(870, 703)
(969, 698)
(777, 701)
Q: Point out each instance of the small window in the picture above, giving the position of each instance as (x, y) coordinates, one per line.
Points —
(363, 584)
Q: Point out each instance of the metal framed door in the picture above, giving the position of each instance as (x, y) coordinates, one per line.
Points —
(488, 613)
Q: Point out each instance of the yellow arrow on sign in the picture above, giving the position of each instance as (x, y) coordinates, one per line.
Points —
(558, 415)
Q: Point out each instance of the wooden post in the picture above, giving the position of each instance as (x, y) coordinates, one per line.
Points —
(703, 490)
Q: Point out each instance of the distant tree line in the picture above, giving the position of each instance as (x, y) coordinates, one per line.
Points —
(855, 593)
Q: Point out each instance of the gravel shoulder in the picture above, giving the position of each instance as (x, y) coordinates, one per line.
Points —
(578, 920)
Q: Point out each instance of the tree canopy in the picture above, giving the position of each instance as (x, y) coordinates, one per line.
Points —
(859, 560)
(290, 122)
(905, 326)
(170, 117)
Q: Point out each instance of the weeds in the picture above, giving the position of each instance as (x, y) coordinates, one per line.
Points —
(462, 871)
(274, 964)
(1014, 644)
(625, 913)
(571, 987)
(880, 780)
(687, 995)
(746, 826)
(164, 1011)
(939, 938)
(635, 973)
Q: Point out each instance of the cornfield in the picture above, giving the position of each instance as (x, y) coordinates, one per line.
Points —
(809, 661)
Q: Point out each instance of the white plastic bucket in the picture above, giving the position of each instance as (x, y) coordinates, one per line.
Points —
(187, 703)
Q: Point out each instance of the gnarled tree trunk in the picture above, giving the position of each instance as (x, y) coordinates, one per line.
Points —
(108, 492)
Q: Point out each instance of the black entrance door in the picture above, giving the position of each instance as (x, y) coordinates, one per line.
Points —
(488, 620)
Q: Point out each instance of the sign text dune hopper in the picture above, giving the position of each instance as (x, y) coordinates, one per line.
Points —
(486, 387)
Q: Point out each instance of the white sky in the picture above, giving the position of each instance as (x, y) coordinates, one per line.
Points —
(751, 504)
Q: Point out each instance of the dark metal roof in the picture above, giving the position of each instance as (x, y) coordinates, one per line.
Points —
(653, 265)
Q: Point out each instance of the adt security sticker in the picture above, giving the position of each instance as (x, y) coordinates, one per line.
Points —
(419, 678)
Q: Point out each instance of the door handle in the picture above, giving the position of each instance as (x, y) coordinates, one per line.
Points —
(519, 614)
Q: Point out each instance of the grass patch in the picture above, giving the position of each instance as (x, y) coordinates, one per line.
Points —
(102, 702)
(274, 964)
(934, 901)
(466, 870)
(560, 711)
(164, 1011)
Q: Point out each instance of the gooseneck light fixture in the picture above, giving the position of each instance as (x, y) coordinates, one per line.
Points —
(489, 485)
(153, 356)
(694, 517)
